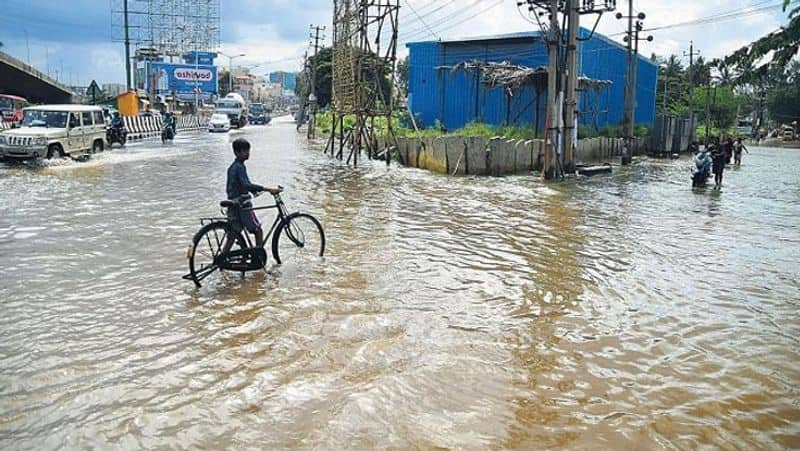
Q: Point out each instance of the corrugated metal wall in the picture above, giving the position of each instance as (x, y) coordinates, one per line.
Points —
(457, 98)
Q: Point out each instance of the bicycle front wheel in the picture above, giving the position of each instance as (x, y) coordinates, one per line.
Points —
(299, 237)
(207, 246)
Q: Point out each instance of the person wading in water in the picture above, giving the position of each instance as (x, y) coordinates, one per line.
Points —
(718, 156)
(738, 146)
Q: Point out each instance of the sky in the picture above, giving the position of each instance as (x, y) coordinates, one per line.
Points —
(72, 39)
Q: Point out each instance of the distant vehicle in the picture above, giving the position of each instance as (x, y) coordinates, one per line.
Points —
(219, 122)
(55, 131)
(108, 113)
(116, 135)
(258, 114)
(744, 127)
(11, 107)
(787, 133)
(233, 106)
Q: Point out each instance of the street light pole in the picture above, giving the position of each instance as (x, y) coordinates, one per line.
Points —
(230, 68)
(196, 81)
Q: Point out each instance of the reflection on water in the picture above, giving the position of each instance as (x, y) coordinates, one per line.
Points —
(625, 311)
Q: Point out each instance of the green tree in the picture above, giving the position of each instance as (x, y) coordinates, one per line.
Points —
(783, 43)
(699, 73)
(324, 79)
(783, 103)
(722, 102)
(224, 82)
(402, 77)
(671, 87)
(323, 61)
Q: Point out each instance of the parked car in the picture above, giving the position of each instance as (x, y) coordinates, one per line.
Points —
(219, 122)
(55, 131)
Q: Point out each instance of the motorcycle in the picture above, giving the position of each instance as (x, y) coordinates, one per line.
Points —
(116, 135)
(167, 133)
(701, 170)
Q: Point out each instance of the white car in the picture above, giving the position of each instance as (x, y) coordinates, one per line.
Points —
(219, 123)
(55, 131)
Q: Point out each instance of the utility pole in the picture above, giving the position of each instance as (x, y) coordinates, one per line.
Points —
(312, 97)
(691, 53)
(550, 154)
(28, 47)
(570, 106)
(627, 116)
(709, 103)
(632, 40)
(127, 47)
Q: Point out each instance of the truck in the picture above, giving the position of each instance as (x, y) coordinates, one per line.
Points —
(233, 106)
(259, 114)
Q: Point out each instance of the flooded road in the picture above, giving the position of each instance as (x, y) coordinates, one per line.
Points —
(618, 312)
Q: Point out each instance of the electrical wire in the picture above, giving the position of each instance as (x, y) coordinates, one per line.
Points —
(420, 18)
(467, 9)
(475, 15)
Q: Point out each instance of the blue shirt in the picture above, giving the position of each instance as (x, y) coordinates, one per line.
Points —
(238, 181)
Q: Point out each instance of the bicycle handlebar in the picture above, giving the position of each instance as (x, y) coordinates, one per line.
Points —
(258, 193)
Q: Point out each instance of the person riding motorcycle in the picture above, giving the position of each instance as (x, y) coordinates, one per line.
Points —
(702, 167)
(169, 121)
(116, 130)
(168, 128)
(116, 121)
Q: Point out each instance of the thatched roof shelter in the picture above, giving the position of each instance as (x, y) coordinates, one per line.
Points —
(512, 76)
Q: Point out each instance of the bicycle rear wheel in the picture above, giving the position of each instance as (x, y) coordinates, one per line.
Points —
(299, 237)
(208, 244)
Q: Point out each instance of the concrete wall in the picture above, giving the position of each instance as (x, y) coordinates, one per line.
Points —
(475, 155)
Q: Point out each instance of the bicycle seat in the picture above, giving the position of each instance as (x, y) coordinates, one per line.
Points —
(240, 201)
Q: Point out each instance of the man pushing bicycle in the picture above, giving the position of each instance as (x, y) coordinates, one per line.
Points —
(238, 185)
(298, 236)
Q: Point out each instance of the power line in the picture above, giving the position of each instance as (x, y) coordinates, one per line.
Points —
(466, 9)
(475, 15)
(420, 18)
(731, 14)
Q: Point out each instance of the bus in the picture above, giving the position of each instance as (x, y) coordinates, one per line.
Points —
(11, 107)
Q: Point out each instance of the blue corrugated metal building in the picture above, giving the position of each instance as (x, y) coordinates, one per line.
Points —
(455, 98)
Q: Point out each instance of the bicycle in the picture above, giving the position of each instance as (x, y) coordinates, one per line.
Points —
(220, 244)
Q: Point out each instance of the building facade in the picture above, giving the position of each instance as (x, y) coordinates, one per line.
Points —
(440, 92)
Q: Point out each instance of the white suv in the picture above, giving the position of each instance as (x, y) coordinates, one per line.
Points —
(55, 131)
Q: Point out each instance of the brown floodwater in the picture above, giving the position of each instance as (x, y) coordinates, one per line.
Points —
(617, 312)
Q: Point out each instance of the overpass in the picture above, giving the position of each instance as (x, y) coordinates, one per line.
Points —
(23, 80)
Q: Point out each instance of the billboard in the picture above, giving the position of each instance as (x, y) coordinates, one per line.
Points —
(182, 78)
(202, 58)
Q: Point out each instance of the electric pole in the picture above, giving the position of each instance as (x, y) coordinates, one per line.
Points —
(551, 142)
(312, 97)
(127, 47)
(562, 76)
(570, 105)
(691, 53)
(632, 40)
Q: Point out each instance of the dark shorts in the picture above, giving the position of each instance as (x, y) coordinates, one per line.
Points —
(719, 166)
(248, 219)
